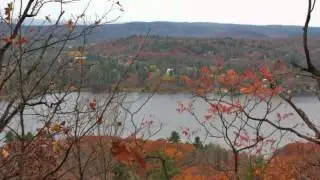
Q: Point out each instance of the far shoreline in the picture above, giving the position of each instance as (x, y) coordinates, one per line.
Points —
(169, 91)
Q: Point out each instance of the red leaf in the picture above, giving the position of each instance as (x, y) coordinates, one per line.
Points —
(266, 73)
(21, 41)
(7, 40)
(248, 74)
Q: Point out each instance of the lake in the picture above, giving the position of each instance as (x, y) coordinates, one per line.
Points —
(162, 109)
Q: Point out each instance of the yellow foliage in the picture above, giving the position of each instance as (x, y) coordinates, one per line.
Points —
(168, 78)
(75, 54)
(5, 153)
(55, 128)
(55, 146)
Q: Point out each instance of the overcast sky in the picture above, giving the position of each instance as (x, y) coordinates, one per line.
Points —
(260, 12)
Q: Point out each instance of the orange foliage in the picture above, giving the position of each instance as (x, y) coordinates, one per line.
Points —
(55, 127)
(225, 108)
(202, 173)
(39, 158)
(266, 73)
(131, 150)
(5, 153)
(55, 146)
(186, 80)
(231, 78)
(176, 151)
(127, 154)
(260, 83)
(247, 89)
(281, 168)
(200, 91)
(293, 161)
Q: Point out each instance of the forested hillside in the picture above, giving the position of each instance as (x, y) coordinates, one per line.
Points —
(185, 56)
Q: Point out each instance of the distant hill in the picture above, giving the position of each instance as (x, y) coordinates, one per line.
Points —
(186, 29)
(177, 29)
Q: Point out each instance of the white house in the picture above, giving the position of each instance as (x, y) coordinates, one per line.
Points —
(169, 70)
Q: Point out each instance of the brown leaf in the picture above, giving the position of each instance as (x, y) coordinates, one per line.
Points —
(70, 25)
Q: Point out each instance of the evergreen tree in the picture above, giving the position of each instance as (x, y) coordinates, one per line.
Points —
(174, 137)
(9, 137)
(167, 170)
(197, 143)
(28, 136)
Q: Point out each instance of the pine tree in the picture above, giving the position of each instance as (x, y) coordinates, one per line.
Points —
(174, 137)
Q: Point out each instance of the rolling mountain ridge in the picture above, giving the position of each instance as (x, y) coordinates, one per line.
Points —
(177, 29)
(187, 29)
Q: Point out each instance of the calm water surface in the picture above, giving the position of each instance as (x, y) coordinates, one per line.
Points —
(162, 109)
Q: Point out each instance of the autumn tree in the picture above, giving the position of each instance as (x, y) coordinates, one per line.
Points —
(244, 108)
(43, 82)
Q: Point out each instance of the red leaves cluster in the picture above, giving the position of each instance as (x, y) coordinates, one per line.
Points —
(230, 78)
(182, 108)
(17, 41)
(263, 87)
(242, 140)
(186, 131)
(220, 108)
(248, 75)
(225, 108)
(266, 73)
(260, 83)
